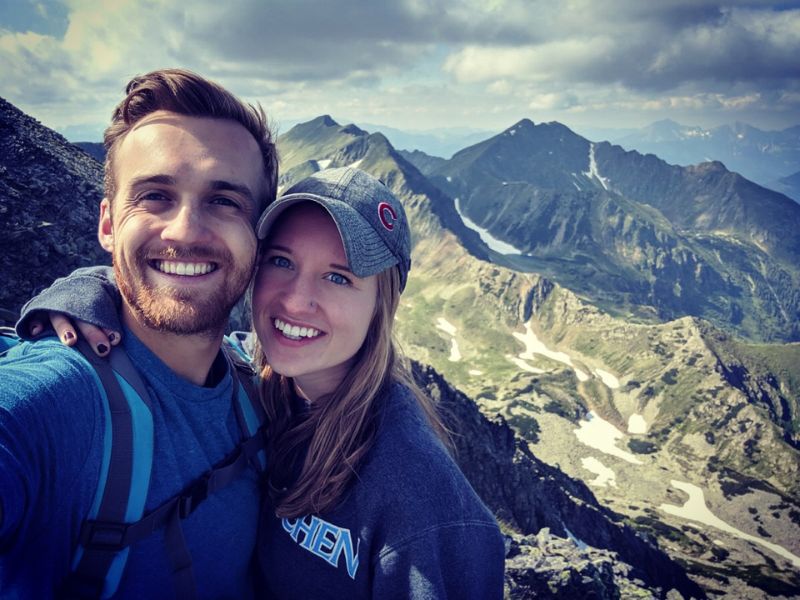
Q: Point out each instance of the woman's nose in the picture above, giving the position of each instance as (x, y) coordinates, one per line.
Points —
(300, 295)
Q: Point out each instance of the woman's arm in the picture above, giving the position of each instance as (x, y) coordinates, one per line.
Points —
(88, 296)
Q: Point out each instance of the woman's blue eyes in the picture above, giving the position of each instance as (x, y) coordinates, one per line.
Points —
(284, 263)
(280, 261)
(338, 279)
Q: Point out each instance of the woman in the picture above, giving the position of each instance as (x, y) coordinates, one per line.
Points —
(362, 500)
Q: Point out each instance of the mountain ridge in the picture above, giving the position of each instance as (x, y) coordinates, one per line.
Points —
(761, 156)
(657, 237)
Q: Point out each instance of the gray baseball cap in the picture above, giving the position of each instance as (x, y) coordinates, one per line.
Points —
(371, 221)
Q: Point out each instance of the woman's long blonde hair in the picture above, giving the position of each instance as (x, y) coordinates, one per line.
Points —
(315, 451)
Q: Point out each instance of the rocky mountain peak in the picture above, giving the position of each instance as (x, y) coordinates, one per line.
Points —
(319, 124)
(522, 124)
(326, 120)
(353, 129)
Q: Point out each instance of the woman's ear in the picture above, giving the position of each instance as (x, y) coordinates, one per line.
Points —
(105, 230)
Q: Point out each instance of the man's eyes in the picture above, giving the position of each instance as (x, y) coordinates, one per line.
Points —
(158, 196)
(153, 197)
(226, 201)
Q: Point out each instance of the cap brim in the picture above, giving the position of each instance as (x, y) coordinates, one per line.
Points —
(366, 252)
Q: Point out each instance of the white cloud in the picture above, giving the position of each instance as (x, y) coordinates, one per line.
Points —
(551, 101)
(416, 63)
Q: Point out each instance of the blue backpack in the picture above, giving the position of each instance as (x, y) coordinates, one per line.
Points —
(116, 519)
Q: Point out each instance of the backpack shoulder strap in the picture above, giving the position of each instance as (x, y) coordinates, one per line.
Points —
(116, 519)
(98, 562)
(247, 403)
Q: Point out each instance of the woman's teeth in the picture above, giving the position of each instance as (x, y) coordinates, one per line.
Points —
(295, 332)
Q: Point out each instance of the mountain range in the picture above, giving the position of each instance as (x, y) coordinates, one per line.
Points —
(769, 158)
(620, 447)
(630, 232)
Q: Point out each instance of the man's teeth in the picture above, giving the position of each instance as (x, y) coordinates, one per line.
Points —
(190, 269)
(295, 332)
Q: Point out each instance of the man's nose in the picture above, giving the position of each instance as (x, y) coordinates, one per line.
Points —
(186, 224)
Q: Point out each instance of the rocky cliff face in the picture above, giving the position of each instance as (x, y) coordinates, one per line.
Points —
(50, 192)
(528, 496)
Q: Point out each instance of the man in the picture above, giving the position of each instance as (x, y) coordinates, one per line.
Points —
(189, 168)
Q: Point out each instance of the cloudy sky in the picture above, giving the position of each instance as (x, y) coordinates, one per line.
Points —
(417, 64)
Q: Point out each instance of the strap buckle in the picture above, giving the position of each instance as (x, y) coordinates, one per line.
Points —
(104, 535)
(191, 499)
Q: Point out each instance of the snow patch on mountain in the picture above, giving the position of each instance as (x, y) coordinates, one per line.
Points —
(605, 476)
(637, 424)
(602, 435)
(487, 238)
(450, 329)
(695, 509)
(446, 326)
(607, 378)
(524, 365)
(576, 540)
(534, 346)
(593, 172)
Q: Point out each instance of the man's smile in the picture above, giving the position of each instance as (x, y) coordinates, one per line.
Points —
(189, 269)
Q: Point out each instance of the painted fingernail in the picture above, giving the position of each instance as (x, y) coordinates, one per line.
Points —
(112, 337)
(69, 336)
(102, 348)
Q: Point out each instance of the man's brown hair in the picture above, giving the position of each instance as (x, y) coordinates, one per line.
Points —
(187, 93)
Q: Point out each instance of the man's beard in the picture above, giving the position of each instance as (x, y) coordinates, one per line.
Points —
(183, 311)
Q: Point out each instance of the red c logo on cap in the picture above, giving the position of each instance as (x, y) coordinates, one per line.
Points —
(387, 215)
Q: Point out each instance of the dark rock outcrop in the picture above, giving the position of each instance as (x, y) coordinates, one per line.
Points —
(50, 192)
(546, 566)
